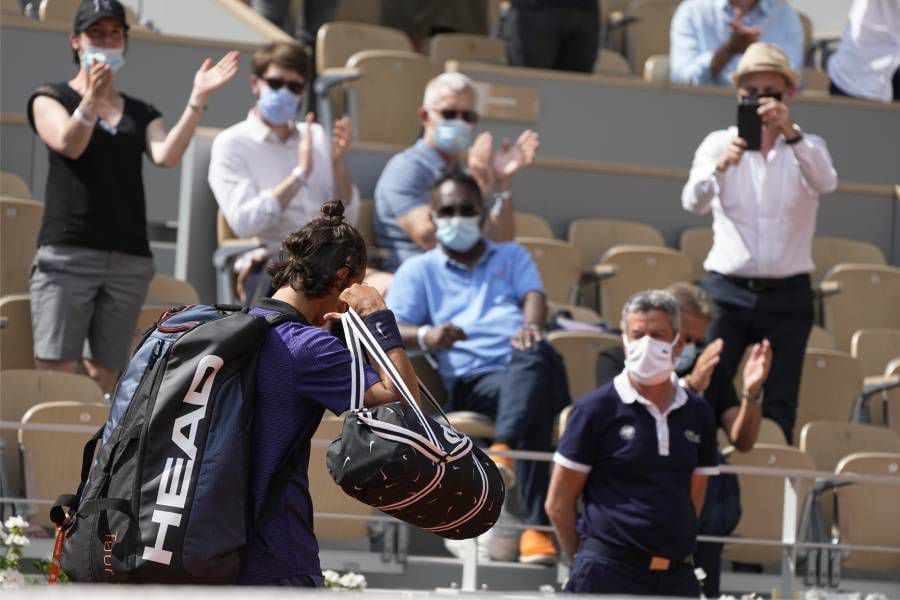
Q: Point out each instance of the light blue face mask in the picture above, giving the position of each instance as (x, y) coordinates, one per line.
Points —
(687, 358)
(114, 57)
(459, 234)
(453, 136)
(277, 106)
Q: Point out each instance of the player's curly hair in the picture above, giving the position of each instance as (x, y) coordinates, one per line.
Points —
(313, 255)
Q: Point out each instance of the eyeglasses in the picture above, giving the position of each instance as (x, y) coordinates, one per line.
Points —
(469, 116)
(755, 95)
(462, 210)
(275, 83)
(99, 33)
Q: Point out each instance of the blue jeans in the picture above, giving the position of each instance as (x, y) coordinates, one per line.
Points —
(520, 400)
(593, 573)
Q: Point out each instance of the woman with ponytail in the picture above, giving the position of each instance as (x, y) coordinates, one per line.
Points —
(303, 370)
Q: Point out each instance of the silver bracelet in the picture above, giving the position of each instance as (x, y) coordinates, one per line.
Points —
(751, 400)
(420, 336)
(297, 173)
(79, 116)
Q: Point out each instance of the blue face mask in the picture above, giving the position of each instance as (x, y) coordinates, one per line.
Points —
(459, 234)
(114, 57)
(453, 136)
(685, 362)
(277, 107)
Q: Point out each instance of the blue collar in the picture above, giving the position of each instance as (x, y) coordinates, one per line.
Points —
(448, 261)
(763, 6)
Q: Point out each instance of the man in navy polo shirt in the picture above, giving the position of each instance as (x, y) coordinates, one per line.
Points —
(480, 307)
(638, 450)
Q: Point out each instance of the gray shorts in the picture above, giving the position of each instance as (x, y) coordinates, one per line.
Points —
(85, 303)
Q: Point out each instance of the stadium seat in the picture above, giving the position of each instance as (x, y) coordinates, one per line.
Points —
(230, 246)
(830, 441)
(384, 101)
(532, 225)
(885, 409)
(20, 222)
(637, 268)
(828, 252)
(465, 47)
(807, 24)
(876, 348)
(578, 313)
(167, 290)
(656, 69)
(24, 388)
(337, 41)
(149, 315)
(867, 299)
(830, 384)
(696, 242)
(16, 342)
(52, 459)
(820, 338)
(869, 513)
(579, 350)
(762, 500)
(815, 81)
(594, 237)
(610, 62)
(13, 186)
(11, 7)
(559, 265)
(649, 33)
(770, 432)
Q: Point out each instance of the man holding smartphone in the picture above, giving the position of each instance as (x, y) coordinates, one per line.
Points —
(764, 205)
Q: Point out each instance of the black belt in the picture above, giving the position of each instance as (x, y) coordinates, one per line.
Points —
(763, 284)
(634, 556)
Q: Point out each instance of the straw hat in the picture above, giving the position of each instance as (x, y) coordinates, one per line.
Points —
(762, 57)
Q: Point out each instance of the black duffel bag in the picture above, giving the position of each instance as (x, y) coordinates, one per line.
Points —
(404, 463)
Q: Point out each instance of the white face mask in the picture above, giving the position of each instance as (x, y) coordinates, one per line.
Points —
(649, 361)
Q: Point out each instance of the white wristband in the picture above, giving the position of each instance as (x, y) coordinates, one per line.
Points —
(297, 173)
(420, 336)
(79, 116)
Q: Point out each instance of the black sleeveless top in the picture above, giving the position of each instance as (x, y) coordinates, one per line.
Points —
(97, 200)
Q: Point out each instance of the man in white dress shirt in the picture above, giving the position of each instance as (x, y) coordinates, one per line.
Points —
(764, 207)
(269, 173)
(866, 63)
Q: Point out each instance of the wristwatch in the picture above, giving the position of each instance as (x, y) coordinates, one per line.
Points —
(799, 137)
(752, 400)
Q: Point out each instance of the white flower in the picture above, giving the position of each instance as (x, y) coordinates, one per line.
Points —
(16, 522)
(331, 577)
(352, 581)
(15, 539)
(10, 579)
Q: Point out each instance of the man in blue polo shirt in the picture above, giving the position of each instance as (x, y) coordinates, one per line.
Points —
(449, 116)
(638, 450)
(480, 307)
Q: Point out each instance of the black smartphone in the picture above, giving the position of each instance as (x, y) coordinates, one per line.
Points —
(749, 122)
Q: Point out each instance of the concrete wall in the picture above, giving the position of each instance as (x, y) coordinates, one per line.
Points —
(631, 122)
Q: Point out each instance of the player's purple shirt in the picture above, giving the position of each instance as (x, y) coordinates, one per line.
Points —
(302, 371)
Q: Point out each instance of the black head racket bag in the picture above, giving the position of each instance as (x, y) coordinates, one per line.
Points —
(404, 463)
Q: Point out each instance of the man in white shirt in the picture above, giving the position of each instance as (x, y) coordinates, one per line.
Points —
(764, 207)
(270, 174)
(868, 56)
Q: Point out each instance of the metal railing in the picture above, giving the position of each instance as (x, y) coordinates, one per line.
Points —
(470, 563)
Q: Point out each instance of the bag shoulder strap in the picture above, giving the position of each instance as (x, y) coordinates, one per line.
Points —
(357, 333)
